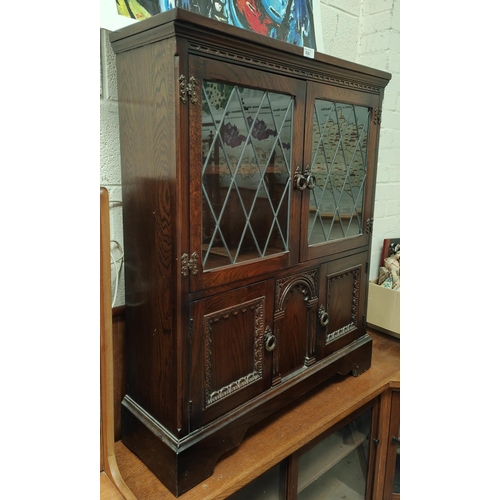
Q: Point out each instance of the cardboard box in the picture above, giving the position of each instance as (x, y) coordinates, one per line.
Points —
(383, 309)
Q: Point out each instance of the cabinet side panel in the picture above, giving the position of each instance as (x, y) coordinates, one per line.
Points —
(148, 152)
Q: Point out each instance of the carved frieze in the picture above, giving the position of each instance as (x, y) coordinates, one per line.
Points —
(267, 64)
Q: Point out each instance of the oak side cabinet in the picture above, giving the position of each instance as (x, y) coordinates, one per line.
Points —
(248, 175)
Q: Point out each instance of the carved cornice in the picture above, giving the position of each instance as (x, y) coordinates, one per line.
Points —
(257, 307)
(268, 64)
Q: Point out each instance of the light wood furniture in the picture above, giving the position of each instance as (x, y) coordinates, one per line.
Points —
(248, 174)
(111, 482)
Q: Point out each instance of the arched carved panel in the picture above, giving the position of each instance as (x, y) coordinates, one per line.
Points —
(306, 281)
(295, 323)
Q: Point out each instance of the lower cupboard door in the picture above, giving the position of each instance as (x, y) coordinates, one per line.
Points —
(229, 363)
(343, 299)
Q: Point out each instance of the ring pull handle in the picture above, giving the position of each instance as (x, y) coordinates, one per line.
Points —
(311, 181)
(324, 319)
(269, 340)
(310, 178)
(305, 180)
(300, 180)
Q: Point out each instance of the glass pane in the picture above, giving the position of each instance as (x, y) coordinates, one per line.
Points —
(340, 142)
(247, 143)
(265, 487)
(336, 468)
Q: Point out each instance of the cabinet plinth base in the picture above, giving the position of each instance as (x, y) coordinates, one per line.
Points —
(181, 464)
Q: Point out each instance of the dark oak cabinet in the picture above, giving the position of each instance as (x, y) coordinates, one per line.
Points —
(248, 175)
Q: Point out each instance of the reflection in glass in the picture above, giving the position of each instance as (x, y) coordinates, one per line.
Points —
(246, 139)
(339, 163)
(337, 466)
(265, 487)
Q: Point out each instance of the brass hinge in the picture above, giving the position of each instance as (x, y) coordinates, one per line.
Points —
(189, 264)
(369, 226)
(188, 89)
(377, 116)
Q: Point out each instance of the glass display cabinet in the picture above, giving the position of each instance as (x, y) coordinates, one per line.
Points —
(340, 464)
(336, 467)
(248, 177)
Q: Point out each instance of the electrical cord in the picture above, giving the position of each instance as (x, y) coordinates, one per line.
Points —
(120, 259)
(117, 270)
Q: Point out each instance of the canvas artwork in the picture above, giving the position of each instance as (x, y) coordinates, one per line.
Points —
(287, 20)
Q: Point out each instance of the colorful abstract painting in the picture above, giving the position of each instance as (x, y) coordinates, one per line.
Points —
(287, 20)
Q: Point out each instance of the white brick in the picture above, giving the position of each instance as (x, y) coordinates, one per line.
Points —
(389, 138)
(382, 174)
(101, 75)
(394, 84)
(375, 42)
(377, 60)
(395, 16)
(380, 209)
(108, 57)
(394, 42)
(375, 6)
(349, 6)
(393, 61)
(387, 191)
(385, 60)
(388, 227)
(388, 156)
(391, 91)
(394, 173)
(340, 33)
(391, 100)
(110, 143)
(390, 119)
(376, 22)
(392, 207)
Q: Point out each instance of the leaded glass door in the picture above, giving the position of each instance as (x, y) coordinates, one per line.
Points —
(338, 170)
(240, 171)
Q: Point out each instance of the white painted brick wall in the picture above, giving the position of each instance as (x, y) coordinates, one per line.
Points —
(110, 164)
(379, 48)
(340, 29)
(363, 31)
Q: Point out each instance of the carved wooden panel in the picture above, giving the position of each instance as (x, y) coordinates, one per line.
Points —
(233, 349)
(343, 298)
(228, 362)
(295, 323)
(343, 302)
